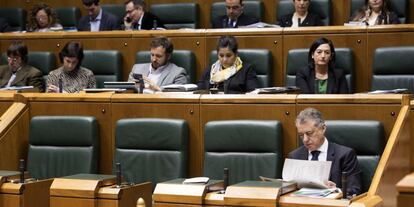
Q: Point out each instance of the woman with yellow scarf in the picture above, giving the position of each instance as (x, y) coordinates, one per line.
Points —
(229, 73)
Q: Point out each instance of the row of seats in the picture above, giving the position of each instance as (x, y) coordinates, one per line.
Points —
(249, 148)
(386, 74)
(186, 15)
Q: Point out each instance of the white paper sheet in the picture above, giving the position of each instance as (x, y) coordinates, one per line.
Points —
(311, 174)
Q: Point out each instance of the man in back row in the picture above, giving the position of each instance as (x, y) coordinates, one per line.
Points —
(311, 129)
(235, 16)
(137, 18)
(160, 71)
(97, 19)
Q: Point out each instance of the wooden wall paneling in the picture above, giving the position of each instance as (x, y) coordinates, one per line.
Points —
(86, 105)
(116, 40)
(270, 39)
(250, 107)
(149, 106)
(340, 11)
(6, 100)
(351, 37)
(386, 36)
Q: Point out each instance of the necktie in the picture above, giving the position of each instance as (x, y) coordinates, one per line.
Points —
(315, 155)
(231, 24)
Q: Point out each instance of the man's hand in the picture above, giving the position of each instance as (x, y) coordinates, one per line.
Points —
(150, 84)
(330, 184)
(52, 89)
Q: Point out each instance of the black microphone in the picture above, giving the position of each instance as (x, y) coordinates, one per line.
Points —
(225, 178)
(118, 175)
(344, 180)
(299, 23)
(154, 25)
(60, 83)
(22, 166)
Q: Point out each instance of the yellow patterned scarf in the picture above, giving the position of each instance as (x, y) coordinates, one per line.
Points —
(219, 74)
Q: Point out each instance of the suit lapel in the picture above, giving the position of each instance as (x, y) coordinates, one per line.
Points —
(164, 75)
(6, 74)
(312, 81)
(303, 155)
(20, 75)
(331, 81)
(331, 152)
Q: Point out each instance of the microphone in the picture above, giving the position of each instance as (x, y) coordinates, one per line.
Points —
(344, 180)
(60, 84)
(225, 178)
(118, 175)
(22, 166)
(299, 23)
(154, 25)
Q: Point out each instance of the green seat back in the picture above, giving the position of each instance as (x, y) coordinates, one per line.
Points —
(260, 59)
(151, 149)
(62, 145)
(392, 68)
(68, 16)
(177, 15)
(298, 58)
(44, 61)
(323, 8)
(182, 58)
(365, 137)
(254, 8)
(16, 17)
(106, 65)
(399, 7)
(248, 148)
(116, 9)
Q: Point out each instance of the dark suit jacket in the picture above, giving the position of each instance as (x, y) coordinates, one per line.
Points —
(310, 20)
(305, 80)
(26, 76)
(245, 80)
(343, 160)
(147, 22)
(108, 22)
(4, 25)
(243, 20)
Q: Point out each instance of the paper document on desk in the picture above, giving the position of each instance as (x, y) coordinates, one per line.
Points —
(311, 174)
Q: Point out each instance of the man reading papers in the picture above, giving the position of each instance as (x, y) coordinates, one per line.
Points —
(311, 129)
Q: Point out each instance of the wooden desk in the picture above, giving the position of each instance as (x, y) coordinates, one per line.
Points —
(405, 188)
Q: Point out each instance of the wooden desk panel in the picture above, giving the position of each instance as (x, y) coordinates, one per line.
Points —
(77, 104)
(167, 108)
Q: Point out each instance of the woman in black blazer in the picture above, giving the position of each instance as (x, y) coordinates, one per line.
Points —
(301, 17)
(321, 76)
(229, 73)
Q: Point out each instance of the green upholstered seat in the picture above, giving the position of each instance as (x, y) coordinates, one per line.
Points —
(116, 9)
(365, 137)
(260, 59)
(106, 65)
(63, 145)
(151, 149)
(399, 7)
(248, 148)
(42, 60)
(182, 58)
(68, 16)
(177, 15)
(298, 58)
(392, 68)
(254, 8)
(323, 8)
(16, 17)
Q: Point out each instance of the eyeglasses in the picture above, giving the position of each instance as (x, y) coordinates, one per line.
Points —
(13, 59)
(41, 17)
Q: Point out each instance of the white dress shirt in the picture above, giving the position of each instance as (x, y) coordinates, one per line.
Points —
(96, 23)
(155, 74)
(323, 151)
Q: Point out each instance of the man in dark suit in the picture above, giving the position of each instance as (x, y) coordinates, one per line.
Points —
(97, 19)
(17, 72)
(311, 129)
(235, 16)
(137, 18)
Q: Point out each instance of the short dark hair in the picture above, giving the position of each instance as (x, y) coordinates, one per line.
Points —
(162, 42)
(137, 3)
(228, 41)
(315, 45)
(90, 2)
(18, 48)
(72, 49)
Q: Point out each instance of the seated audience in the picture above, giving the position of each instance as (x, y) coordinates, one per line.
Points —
(17, 72)
(43, 19)
(229, 73)
(160, 71)
(311, 130)
(4, 25)
(71, 77)
(301, 17)
(321, 76)
(235, 16)
(97, 19)
(376, 12)
(137, 18)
